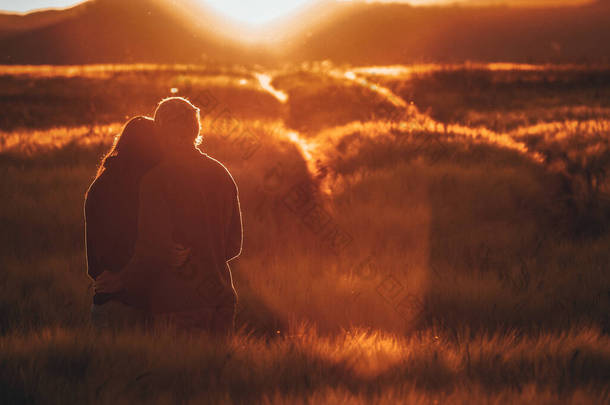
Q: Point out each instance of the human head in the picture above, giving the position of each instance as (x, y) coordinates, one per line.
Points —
(178, 122)
(135, 147)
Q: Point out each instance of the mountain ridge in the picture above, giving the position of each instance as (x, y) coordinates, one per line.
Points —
(185, 31)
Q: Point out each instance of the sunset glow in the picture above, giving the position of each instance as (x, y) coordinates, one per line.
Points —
(260, 12)
(255, 12)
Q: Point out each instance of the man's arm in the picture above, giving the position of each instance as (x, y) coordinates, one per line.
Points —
(235, 230)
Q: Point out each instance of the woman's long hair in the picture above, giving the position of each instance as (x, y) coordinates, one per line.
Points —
(135, 149)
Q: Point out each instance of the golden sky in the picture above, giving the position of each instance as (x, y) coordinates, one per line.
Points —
(260, 11)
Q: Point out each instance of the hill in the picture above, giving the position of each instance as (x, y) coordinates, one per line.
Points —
(397, 33)
(11, 24)
(157, 31)
(109, 31)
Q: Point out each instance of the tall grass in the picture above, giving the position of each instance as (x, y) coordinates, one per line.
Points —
(384, 261)
(59, 365)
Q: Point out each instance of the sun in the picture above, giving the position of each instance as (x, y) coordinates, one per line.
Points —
(255, 12)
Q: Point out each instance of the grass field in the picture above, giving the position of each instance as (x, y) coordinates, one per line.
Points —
(420, 234)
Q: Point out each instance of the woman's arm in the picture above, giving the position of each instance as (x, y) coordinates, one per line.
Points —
(154, 248)
(92, 214)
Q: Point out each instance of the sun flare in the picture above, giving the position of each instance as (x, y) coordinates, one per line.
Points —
(255, 12)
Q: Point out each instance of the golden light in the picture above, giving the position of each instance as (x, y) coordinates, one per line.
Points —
(255, 12)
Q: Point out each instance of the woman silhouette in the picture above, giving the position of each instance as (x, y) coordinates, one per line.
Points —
(111, 224)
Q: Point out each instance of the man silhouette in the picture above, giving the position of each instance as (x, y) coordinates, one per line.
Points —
(189, 199)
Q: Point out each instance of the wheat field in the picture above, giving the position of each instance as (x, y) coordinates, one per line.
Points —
(413, 234)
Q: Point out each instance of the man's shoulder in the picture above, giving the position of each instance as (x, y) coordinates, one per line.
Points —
(215, 167)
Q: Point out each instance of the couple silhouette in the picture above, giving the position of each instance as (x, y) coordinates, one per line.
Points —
(162, 222)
